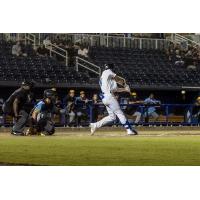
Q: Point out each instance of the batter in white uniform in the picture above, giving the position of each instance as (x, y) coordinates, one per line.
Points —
(108, 84)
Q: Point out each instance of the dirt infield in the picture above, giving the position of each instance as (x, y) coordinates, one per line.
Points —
(119, 131)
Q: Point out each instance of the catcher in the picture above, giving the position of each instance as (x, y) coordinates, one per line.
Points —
(42, 113)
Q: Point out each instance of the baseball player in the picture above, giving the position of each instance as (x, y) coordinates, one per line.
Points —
(108, 83)
(16, 106)
(69, 103)
(41, 115)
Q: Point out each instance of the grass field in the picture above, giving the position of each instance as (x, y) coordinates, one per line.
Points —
(106, 148)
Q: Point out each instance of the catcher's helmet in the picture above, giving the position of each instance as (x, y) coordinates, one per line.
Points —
(109, 66)
(50, 94)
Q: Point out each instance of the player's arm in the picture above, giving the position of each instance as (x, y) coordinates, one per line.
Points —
(120, 80)
(122, 90)
(16, 107)
(136, 102)
(35, 113)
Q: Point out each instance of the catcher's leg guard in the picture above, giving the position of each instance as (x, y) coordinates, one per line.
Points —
(49, 128)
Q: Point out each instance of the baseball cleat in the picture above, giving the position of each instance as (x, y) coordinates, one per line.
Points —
(42, 134)
(17, 133)
(133, 132)
(92, 128)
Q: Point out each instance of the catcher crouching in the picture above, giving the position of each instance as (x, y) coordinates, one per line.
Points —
(41, 116)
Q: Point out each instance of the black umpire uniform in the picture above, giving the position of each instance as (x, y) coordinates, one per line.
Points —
(15, 106)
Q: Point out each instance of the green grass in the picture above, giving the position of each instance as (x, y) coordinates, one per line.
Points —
(85, 150)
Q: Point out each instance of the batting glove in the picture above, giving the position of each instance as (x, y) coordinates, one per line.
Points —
(127, 88)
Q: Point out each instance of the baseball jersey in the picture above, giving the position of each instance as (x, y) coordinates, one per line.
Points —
(42, 107)
(152, 102)
(106, 82)
(113, 86)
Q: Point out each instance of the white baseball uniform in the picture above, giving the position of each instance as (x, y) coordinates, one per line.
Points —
(108, 87)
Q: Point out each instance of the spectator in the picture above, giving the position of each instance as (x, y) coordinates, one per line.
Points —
(17, 50)
(170, 54)
(46, 41)
(196, 110)
(81, 106)
(151, 104)
(188, 54)
(83, 51)
(72, 53)
(58, 40)
(135, 111)
(178, 59)
(192, 66)
(95, 108)
(42, 51)
(69, 104)
(58, 104)
(1, 112)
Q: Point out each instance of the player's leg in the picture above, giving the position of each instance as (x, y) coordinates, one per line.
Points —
(115, 107)
(155, 116)
(138, 116)
(44, 125)
(71, 117)
(106, 120)
(79, 118)
(114, 110)
(49, 128)
(20, 124)
(125, 122)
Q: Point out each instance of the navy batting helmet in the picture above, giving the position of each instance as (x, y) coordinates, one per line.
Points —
(109, 66)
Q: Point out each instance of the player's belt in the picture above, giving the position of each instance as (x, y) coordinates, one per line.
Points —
(101, 95)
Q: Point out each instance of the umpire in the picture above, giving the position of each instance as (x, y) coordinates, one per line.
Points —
(15, 106)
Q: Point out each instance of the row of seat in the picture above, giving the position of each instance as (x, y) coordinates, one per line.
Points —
(35, 68)
(139, 66)
(145, 67)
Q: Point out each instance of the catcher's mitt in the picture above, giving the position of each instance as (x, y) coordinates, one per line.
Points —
(31, 131)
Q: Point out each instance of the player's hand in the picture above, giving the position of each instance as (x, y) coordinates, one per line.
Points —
(127, 88)
(63, 111)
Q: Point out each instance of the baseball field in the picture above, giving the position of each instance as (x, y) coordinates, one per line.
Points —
(109, 147)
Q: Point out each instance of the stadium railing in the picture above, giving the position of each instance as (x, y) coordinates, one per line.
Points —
(177, 38)
(121, 41)
(169, 114)
(80, 62)
(57, 50)
(106, 39)
(30, 37)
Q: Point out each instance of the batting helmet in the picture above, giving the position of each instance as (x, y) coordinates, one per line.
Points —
(109, 66)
